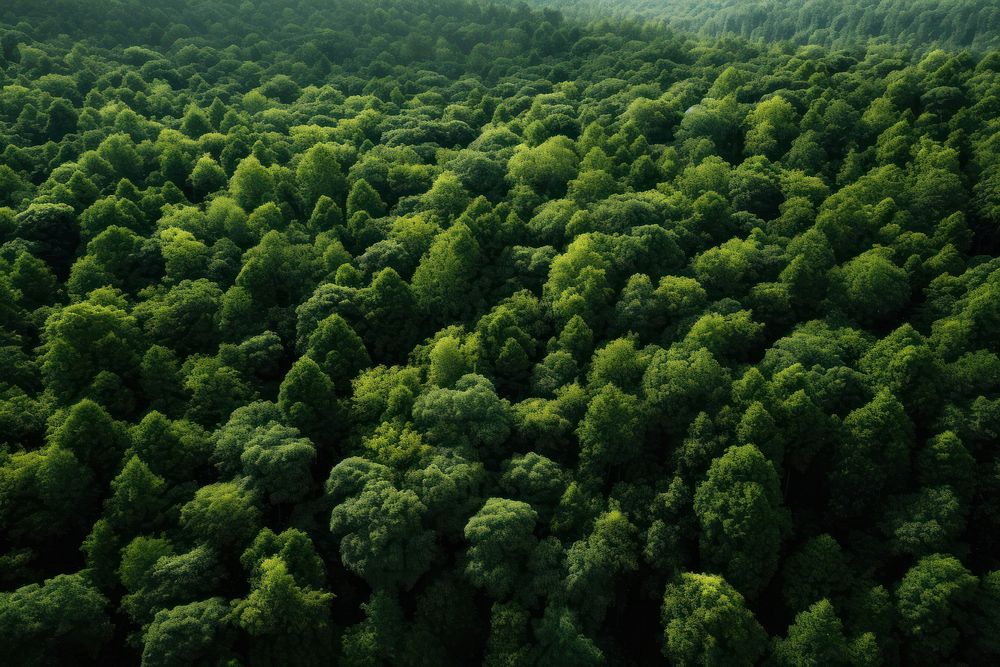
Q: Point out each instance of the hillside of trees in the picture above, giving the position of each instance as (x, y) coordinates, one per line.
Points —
(447, 333)
(919, 24)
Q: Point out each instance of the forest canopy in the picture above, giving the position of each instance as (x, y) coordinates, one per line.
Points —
(919, 24)
(423, 333)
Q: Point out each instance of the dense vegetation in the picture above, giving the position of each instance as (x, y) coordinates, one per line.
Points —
(921, 24)
(425, 333)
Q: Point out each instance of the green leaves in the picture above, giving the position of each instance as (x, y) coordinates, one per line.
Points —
(815, 638)
(252, 184)
(546, 167)
(62, 618)
(188, 633)
(706, 622)
(382, 538)
(742, 520)
(933, 601)
(568, 314)
(222, 515)
(502, 540)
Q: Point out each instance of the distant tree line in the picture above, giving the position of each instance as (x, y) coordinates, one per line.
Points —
(919, 24)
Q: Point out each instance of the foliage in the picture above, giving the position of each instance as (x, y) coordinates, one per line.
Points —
(424, 333)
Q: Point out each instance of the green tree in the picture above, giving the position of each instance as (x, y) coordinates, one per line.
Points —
(306, 398)
(138, 499)
(742, 520)
(559, 641)
(470, 415)
(319, 175)
(62, 619)
(207, 177)
(93, 436)
(222, 515)
(706, 622)
(84, 340)
(934, 601)
(277, 462)
(874, 458)
(445, 275)
(192, 633)
(289, 622)
(597, 564)
(382, 537)
(195, 122)
(501, 537)
(364, 198)
(337, 349)
(871, 288)
(815, 638)
(547, 167)
(252, 184)
(611, 432)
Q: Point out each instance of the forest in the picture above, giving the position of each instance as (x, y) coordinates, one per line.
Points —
(445, 332)
(920, 24)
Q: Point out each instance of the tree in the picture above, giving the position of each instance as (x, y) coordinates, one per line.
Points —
(536, 480)
(207, 177)
(502, 539)
(508, 642)
(815, 638)
(138, 499)
(363, 198)
(195, 122)
(547, 167)
(611, 431)
(296, 552)
(319, 175)
(382, 538)
(445, 275)
(252, 184)
(93, 436)
(157, 579)
(84, 340)
(215, 390)
(306, 398)
(185, 317)
(189, 633)
(277, 463)
(447, 195)
(46, 495)
(742, 520)
(771, 124)
(289, 622)
(276, 256)
(52, 233)
(872, 288)
(222, 515)
(449, 486)
(706, 622)
(448, 363)
(337, 349)
(924, 522)
(471, 415)
(327, 215)
(174, 450)
(874, 458)
(62, 619)
(933, 601)
(596, 564)
(560, 643)
(818, 569)
(377, 638)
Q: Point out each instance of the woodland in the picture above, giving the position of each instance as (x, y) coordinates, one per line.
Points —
(413, 332)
